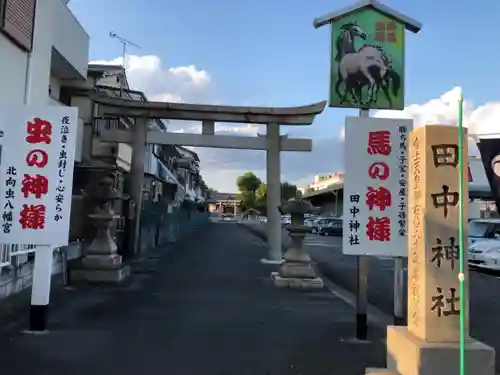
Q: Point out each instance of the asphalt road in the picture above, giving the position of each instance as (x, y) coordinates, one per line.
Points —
(341, 269)
(204, 306)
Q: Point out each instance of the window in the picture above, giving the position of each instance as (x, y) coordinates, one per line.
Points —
(17, 21)
(478, 229)
(65, 96)
(386, 31)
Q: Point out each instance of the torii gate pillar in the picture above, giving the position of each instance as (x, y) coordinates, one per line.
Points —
(273, 199)
(137, 179)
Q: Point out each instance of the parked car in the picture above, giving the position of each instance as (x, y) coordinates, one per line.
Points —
(484, 244)
(286, 219)
(321, 222)
(334, 228)
(310, 220)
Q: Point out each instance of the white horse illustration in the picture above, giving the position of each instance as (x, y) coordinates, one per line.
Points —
(356, 66)
(385, 77)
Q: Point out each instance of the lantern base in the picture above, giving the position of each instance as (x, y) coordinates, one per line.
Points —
(296, 282)
(112, 275)
(272, 261)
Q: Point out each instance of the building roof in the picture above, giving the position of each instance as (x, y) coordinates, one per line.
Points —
(410, 24)
(225, 196)
(96, 69)
(188, 151)
(251, 211)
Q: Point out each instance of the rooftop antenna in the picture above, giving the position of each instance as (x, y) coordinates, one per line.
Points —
(124, 43)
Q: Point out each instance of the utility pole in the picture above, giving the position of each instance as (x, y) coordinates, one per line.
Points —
(124, 43)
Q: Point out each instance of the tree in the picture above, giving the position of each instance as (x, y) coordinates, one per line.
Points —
(247, 186)
(253, 193)
(211, 193)
(249, 182)
(260, 198)
(288, 191)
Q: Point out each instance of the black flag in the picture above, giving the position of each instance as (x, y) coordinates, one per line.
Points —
(490, 155)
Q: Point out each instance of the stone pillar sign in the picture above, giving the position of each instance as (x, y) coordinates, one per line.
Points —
(430, 344)
(433, 266)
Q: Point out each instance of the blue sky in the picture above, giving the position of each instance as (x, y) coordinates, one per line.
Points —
(264, 52)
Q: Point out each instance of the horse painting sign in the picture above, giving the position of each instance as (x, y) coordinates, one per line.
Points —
(367, 62)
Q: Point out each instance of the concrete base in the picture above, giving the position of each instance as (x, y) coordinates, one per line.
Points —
(409, 355)
(296, 283)
(113, 275)
(380, 371)
(271, 261)
(94, 261)
(297, 270)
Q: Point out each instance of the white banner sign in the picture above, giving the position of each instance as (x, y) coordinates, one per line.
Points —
(36, 174)
(375, 186)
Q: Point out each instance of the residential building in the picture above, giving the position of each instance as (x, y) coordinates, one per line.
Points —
(44, 49)
(171, 171)
(322, 181)
(44, 55)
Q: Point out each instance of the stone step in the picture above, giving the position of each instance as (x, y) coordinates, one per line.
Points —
(380, 371)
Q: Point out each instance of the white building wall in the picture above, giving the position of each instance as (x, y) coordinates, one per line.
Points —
(47, 32)
(38, 91)
(12, 72)
(69, 37)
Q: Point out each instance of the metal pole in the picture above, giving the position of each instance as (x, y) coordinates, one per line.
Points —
(40, 289)
(362, 297)
(137, 178)
(399, 318)
(28, 79)
(122, 79)
(362, 282)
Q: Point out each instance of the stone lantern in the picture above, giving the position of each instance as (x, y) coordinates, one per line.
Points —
(101, 262)
(297, 270)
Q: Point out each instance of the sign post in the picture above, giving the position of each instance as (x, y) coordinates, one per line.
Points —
(367, 72)
(36, 179)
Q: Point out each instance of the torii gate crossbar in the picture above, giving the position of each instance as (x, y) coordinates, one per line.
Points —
(272, 142)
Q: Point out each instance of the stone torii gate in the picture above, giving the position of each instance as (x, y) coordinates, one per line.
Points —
(272, 142)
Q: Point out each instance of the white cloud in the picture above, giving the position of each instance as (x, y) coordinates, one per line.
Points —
(483, 119)
(160, 83)
(444, 111)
